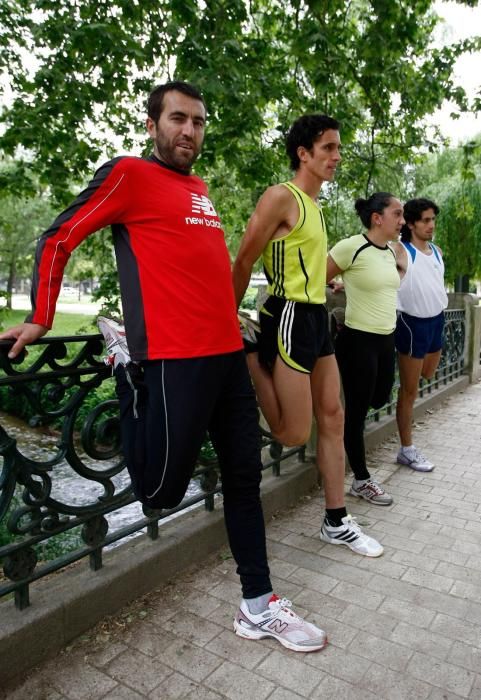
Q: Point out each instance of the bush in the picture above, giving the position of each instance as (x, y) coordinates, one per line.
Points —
(250, 299)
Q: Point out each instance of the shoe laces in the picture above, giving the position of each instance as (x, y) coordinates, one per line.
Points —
(283, 605)
(352, 524)
(377, 488)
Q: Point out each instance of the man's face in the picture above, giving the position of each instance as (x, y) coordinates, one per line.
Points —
(324, 156)
(179, 132)
(423, 229)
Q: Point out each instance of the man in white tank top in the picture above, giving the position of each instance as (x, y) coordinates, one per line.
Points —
(419, 332)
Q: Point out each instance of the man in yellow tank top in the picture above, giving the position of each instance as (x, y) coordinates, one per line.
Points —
(291, 361)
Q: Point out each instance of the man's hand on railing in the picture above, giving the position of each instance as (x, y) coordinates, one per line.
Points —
(23, 334)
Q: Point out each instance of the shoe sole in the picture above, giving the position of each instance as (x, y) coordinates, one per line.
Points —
(253, 636)
(326, 538)
(415, 469)
(371, 500)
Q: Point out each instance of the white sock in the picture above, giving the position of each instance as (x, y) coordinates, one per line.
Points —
(258, 605)
(407, 448)
(360, 482)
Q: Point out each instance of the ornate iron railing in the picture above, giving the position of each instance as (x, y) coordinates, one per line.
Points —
(450, 367)
(83, 450)
(36, 507)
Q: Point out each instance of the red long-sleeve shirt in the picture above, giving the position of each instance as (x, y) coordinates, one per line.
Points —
(173, 264)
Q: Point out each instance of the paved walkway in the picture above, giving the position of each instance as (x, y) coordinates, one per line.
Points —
(406, 625)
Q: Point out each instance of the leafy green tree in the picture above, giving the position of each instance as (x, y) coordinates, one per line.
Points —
(81, 269)
(452, 178)
(259, 63)
(21, 222)
(79, 72)
(460, 229)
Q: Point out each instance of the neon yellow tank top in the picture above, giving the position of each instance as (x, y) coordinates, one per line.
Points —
(295, 264)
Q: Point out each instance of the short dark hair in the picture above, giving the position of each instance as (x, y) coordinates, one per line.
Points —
(305, 131)
(155, 103)
(375, 204)
(413, 211)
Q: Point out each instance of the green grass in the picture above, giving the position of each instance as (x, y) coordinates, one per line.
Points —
(64, 324)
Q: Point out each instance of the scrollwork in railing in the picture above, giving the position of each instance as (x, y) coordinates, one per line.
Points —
(45, 381)
(450, 365)
(55, 393)
(454, 338)
(20, 564)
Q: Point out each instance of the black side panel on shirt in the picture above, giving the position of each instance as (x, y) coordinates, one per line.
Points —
(132, 301)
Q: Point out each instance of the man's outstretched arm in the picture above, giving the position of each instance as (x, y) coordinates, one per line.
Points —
(100, 204)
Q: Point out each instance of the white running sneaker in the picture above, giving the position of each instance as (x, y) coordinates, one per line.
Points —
(281, 623)
(413, 458)
(350, 534)
(115, 342)
(371, 491)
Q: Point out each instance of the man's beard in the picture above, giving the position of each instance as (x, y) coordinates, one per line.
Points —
(176, 157)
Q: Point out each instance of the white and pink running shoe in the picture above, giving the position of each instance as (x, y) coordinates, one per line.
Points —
(115, 341)
(281, 623)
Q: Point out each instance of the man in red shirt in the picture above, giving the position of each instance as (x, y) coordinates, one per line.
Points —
(179, 364)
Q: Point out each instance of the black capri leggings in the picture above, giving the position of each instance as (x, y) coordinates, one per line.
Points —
(366, 364)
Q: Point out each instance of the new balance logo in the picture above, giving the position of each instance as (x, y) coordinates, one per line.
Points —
(202, 205)
(277, 626)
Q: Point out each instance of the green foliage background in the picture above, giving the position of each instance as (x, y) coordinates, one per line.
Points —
(79, 73)
(453, 179)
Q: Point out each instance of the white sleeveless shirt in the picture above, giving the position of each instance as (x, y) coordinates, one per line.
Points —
(422, 292)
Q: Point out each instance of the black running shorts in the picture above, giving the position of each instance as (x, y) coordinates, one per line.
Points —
(297, 332)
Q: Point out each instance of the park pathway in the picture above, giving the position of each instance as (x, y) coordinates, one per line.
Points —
(404, 626)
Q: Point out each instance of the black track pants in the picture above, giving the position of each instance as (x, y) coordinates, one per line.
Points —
(366, 364)
(177, 402)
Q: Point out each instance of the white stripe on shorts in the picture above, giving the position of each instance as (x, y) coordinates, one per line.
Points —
(287, 321)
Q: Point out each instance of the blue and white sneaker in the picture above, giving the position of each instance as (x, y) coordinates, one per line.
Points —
(414, 458)
(351, 535)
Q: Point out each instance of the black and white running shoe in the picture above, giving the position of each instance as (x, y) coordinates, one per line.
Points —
(351, 535)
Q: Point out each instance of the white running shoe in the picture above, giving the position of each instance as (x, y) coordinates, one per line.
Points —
(413, 458)
(371, 491)
(281, 623)
(351, 535)
(115, 341)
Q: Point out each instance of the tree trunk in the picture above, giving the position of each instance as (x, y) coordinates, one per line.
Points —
(461, 284)
(10, 282)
